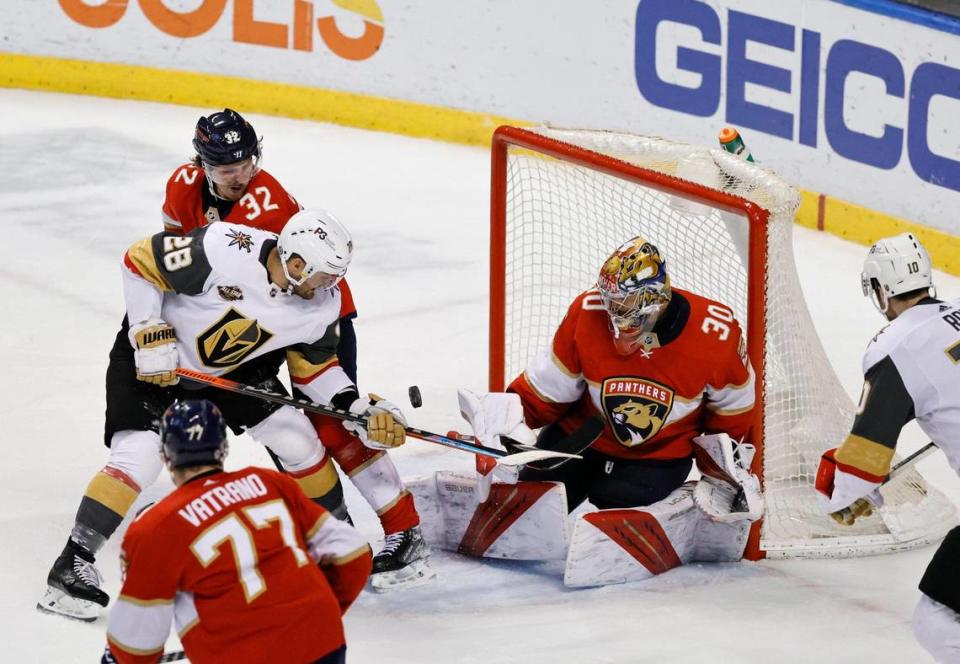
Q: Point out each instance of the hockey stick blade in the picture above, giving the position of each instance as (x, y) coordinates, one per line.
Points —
(533, 456)
(309, 406)
(566, 448)
(175, 656)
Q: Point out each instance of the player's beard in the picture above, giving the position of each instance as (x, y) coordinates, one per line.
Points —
(304, 292)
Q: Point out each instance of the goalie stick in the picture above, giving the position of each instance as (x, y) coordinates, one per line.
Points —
(515, 454)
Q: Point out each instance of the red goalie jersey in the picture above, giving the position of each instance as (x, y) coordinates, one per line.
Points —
(250, 569)
(691, 376)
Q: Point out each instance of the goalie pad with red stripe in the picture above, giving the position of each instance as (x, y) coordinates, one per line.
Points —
(623, 545)
(522, 521)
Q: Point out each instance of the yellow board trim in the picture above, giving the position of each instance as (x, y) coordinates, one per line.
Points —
(847, 220)
(865, 226)
(172, 86)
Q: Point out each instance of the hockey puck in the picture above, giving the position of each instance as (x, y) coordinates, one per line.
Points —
(414, 393)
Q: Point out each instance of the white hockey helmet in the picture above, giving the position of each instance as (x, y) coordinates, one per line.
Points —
(324, 244)
(896, 265)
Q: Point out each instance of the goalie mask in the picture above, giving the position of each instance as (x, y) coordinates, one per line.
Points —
(894, 266)
(635, 290)
(322, 243)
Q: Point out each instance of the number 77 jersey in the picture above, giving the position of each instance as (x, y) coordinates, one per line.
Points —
(247, 567)
(691, 375)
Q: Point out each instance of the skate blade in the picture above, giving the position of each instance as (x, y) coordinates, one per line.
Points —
(415, 574)
(59, 603)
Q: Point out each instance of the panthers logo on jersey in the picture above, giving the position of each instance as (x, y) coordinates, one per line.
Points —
(230, 340)
(635, 407)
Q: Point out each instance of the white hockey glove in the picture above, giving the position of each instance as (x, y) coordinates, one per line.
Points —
(727, 490)
(386, 425)
(843, 495)
(155, 352)
(491, 416)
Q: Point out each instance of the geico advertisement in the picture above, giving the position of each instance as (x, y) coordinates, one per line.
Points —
(871, 101)
(841, 101)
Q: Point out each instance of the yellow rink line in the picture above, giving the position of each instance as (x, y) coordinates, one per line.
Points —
(846, 220)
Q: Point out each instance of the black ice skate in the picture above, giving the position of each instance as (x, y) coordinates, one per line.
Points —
(402, 562)
(73, 586)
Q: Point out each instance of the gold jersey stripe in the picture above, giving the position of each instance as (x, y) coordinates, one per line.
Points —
(130, 649)
(141, 257)
(111, 492)
(317, 526)
(865, 454)
(301, 368)
(353, 555)
(320, 482)
(136, 601)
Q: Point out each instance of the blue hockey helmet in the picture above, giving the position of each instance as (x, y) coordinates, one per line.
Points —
(193, 433)
(224, 138)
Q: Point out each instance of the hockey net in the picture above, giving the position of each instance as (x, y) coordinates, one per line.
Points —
(563, 200)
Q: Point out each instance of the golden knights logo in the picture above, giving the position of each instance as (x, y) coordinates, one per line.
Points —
(635, 407)
(230, 340)
(240, 240)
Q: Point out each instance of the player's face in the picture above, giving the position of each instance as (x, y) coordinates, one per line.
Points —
(317, 281)
(231, 180)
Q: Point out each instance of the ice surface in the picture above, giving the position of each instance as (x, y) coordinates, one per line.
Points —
(83, 178)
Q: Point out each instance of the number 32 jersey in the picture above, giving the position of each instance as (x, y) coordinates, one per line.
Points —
(690, 376)
(217, 295)
(190, 204)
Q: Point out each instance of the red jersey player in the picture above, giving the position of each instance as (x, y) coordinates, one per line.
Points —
(661, 365)
(248, 567)
(225, 182)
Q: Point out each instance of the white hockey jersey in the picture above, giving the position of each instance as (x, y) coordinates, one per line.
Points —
(911, 370)
(213, 287)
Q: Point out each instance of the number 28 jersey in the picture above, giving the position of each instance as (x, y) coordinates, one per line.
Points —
(213, 287)
(691, 376)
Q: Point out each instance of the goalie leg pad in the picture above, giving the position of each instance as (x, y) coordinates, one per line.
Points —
(523, 521)
(625, 545)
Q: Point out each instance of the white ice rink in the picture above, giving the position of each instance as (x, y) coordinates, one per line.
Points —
(83, 178)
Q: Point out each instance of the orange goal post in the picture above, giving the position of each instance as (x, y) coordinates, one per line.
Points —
(563, 199)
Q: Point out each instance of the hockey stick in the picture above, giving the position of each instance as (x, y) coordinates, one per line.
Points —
(175, 656)
(905, 464)
(515, 454)
(864, 506)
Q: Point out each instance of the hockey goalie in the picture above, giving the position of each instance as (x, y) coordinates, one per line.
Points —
(668, 372)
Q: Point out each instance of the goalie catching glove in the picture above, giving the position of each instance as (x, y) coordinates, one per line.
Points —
(385, 427)
(727, 491)
(491, 416)
(155, 352)
(846, 492)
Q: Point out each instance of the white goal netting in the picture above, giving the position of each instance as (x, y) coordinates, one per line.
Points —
(563, 217)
